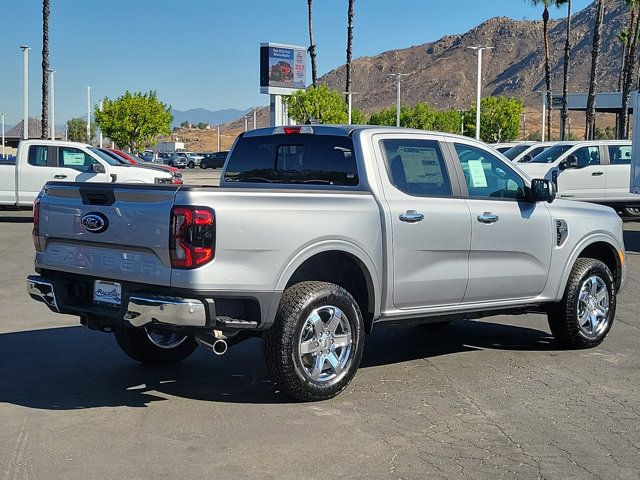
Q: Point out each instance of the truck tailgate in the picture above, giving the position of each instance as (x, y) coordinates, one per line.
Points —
(132, 244)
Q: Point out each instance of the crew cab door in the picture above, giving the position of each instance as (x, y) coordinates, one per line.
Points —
(618, 171)
(430, 224)
(510, 237)
(586, 181)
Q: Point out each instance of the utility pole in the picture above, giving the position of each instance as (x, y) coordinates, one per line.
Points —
(398, 77)
(100, 137)
(349, 105)
(479, 87)
(2, 115)
(25, 91)
(52, 94)
(88, 114)
(544, 112)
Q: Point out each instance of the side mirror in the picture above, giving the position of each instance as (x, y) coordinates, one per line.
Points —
(97, 168)
(570, 162)
(526, 158)
(543, 190)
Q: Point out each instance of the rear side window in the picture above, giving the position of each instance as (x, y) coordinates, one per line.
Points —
(38, 156)
(620, 154)
(293, 159)
(417, 167)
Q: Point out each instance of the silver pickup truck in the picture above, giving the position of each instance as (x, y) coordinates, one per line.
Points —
(316, 234)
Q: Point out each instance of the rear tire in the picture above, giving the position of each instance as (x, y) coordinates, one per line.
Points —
(583, 318)
(314, 348)
(191, 165)
(633, 212)
(154, 348)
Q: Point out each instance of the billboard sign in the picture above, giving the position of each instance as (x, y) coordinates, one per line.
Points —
(282, 68)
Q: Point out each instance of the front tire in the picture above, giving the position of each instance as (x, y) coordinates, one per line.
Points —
(315, 345)
(191, 165)
(152, 347)
(583, 318)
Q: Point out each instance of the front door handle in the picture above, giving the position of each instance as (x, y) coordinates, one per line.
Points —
(488, 217)
(411, 216)
(59, 176)
(596, 174)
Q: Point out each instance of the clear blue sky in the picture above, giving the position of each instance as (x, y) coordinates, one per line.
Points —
(204, 53)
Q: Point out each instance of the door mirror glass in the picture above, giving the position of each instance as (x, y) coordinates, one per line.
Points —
(570, 162)
(526, 158)
(543, 190)
(97, 168)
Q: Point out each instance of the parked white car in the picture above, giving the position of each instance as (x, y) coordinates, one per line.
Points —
(593, 171)
(42, 161)
(524, 152)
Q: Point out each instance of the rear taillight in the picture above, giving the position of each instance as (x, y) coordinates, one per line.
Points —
(192, 236)
(35, 233)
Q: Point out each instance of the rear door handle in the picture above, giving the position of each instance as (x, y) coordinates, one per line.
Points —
(411, 216)
(596, 174)
(59, 176)
(488, 217)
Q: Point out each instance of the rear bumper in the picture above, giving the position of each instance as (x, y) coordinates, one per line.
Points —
(147, 304)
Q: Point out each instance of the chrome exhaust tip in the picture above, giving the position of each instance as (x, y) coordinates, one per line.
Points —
(219, 347)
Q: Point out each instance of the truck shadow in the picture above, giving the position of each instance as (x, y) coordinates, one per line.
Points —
(15, 219)
(74, 368)
(632, 241)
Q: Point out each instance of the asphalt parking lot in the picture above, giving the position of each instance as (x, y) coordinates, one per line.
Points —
(489, 399)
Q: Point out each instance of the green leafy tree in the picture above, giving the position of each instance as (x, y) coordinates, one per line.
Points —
(499, 119)
(202, 125)
(358, 117)
(319, 104)
(387, 117)
(77, 130)
(185, 124)
(134, 120)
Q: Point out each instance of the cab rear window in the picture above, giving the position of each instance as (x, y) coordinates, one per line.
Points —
(293, 159)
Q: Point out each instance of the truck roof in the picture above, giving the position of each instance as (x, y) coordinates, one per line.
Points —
(43, 141)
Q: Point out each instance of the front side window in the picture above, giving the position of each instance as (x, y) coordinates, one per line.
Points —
(620, 154)
(38, 156)
(417, 167)
(74, 158)
(587, 156)
(293, 159)
(487, 176)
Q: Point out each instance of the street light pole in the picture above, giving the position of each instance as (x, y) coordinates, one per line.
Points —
(2, 115)
(101, 107)
(246, 123)
(52, 94)
(25, 90)
(218, 138)
(479, 50)
(544, 112)
(398, 77)
(255, 117)
(88, 114)
(349, 105)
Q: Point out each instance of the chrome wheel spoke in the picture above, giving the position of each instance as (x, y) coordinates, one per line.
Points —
(318, 366)
(316, 322)
(594, 286)
(602, 295)
(343, 340)
(308, 347)
(334, 321)
(333, 360)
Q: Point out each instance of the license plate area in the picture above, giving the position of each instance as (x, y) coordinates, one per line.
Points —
(107, 293)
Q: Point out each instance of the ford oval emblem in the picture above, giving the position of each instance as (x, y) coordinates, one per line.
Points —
(94, 222)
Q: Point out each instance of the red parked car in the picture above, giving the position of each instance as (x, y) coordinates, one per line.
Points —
(131, 159)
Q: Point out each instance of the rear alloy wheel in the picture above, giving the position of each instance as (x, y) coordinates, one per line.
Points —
(584, 316)
(191, 165)
(315, 345)
(154, 347)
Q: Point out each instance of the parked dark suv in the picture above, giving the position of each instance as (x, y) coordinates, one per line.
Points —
(213, 160)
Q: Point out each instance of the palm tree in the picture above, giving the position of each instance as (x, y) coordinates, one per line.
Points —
(623, 38)
(564, 115)
(45, 68)
(349, 42)
(547, 69)
(312, 46)
(590, 130)
(629, 66)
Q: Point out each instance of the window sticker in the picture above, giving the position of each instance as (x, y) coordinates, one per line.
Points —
(72, 159)
(476, 172)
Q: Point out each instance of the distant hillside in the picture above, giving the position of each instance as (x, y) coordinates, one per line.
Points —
(444, 72)
(197, 115)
